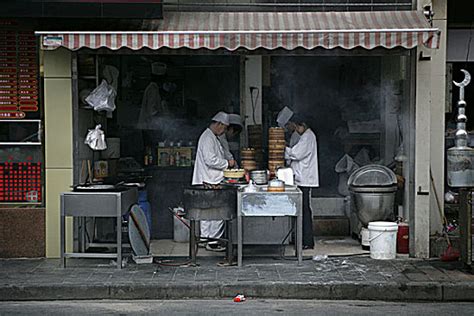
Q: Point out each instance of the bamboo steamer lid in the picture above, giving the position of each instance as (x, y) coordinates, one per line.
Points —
(276, 141)
(277, 147)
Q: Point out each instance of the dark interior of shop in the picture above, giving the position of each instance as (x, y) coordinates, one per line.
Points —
(343, 99)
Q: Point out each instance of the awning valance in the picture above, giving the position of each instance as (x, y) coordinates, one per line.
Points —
(268, 30)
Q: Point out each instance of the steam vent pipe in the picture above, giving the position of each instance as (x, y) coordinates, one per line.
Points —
(460, 158)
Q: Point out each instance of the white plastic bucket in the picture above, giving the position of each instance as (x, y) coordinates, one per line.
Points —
(383, 240)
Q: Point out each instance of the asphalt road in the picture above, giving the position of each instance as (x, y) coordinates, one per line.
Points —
(228, 307)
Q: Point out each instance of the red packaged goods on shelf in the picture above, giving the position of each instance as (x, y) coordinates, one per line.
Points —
(27, 76)
(30, 71)
(26, 86)
(27, 54)
(8, 103)
(27, 60)
(28, 108)
(6, 65)
(7, 75)
(27, 91)
(27, 65)
(8, 70)
(8, 108)
(7, 59)
(29, 102)
(7, 54)
(27, 81)
(27, 49)
(11, 45)
(8, 80)
(8, 97)
(13, 114)
(7, 86)
(28, 97)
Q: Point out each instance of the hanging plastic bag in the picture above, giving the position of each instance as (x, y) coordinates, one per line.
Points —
(344, 167)
(95, 139)
(102, 98)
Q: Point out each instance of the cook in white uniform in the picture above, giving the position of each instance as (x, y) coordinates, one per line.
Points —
(284, 120)
(152, 103)
(234, 129)
(209, 168)
(304, 162)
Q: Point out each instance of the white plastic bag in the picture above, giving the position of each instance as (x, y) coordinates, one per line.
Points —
(96, 138)
(102, 98)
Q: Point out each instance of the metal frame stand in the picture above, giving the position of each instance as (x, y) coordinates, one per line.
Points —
(299, 231)
(98, 204)
(193, 243)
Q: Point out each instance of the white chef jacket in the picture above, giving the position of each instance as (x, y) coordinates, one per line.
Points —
(304, 160)
(225, 145)
(210, 160)
(151, 105)
(295, 137)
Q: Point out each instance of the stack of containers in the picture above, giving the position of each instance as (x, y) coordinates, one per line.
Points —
(247, 156)
(276, 148)
(255, 134)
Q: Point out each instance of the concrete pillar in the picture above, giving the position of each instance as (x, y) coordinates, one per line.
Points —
(58, 141)
(438, 106)
(429, 136)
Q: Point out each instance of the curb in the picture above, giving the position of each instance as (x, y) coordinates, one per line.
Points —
(414, 291)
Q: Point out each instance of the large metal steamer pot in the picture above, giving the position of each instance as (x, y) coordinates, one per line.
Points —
(372, 190)
(210, 204)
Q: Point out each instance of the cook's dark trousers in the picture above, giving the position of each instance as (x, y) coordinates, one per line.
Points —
(307, 218)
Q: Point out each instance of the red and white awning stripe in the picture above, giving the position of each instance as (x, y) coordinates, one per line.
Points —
(268, 30)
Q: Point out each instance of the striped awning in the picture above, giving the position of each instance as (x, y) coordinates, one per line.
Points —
(253, 30)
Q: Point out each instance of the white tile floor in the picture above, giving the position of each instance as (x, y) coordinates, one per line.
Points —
(323, 246)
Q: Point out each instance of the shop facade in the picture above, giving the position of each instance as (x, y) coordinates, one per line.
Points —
(406, 75)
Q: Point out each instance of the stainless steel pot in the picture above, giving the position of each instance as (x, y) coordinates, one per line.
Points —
(259, 176)
(372, 190)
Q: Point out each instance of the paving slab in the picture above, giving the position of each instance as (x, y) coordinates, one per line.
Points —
(347, 278)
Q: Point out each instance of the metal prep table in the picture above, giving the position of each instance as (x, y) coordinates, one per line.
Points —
(95, 204)
(270, 204)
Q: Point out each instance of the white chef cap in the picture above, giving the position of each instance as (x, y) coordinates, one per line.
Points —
(221, 117)
(284, 116)
(235, 119)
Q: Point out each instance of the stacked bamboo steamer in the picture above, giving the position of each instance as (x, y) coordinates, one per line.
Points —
(276, 148)
(255, 137)
(247, 156)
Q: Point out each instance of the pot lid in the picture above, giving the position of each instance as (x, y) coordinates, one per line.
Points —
(138, 231)
(372, 176)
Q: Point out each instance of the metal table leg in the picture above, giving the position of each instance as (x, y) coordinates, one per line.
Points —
(119, 235)
(192, 241)
(62, 233)
(299, 238)
(230, 250)
(239, 240)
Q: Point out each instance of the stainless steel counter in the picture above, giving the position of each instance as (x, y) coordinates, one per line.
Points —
(96, 204)
(270, 204)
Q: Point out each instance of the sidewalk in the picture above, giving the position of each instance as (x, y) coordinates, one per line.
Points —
(354, 278)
